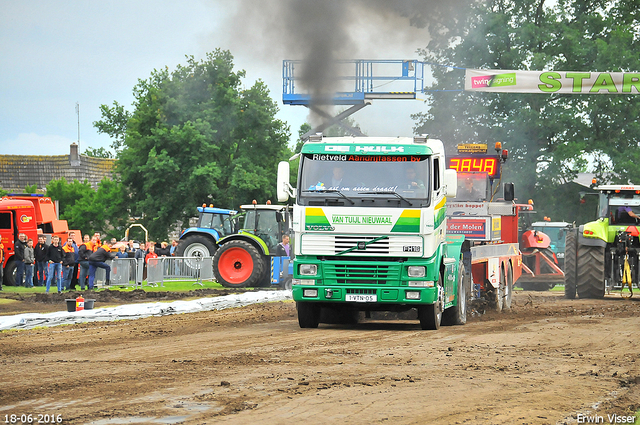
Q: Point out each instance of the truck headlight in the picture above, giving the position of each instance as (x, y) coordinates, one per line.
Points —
(308, 269)
(413, 295)
(416, 271)
(422, 283)
(311, 293)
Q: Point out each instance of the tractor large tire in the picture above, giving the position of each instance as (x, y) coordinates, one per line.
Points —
(457, 315)
(308, 315)
(570, 265)
(238, 264)
(196, 246)
(10, 273)
(590, 272)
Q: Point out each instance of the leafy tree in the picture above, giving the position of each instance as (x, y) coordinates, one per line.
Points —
(89, 210)
(31, 189)
(195, 135)
(114, 123)
(550, 137)
(98, 152)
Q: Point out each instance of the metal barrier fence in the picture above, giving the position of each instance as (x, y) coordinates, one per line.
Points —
(134, 272)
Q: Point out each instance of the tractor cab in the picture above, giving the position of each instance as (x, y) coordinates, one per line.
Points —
(268, 222)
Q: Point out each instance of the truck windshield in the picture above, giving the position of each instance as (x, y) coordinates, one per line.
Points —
(364, 180)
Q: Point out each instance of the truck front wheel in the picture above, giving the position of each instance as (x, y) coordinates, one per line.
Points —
(590, 282)
(10, 273)
(238, 264)
(430, 315)
(457, 315)
(308, 315)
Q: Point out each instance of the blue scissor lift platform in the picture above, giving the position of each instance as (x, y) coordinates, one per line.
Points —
(359, 82)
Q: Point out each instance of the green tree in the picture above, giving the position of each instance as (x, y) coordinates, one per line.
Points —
(195, 135)
(113, 123)
(84, 208)
(98, 152)
(550, 137)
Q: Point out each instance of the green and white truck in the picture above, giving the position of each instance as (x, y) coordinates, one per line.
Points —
(369, 227)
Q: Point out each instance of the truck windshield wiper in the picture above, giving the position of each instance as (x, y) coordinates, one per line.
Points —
(397, 195)
(331, 191)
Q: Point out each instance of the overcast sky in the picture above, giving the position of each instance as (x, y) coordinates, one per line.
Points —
(56, 53)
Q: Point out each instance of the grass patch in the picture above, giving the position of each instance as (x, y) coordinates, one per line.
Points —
(168, 286)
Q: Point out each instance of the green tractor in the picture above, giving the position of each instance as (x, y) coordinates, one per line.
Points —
(603, 255)
(250, 258)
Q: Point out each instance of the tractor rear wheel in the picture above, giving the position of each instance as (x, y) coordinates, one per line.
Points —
(570, 264)
(590, 271)
(196, 246)
(238, 264)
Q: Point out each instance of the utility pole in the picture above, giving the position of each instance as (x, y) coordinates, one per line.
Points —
(78, 113)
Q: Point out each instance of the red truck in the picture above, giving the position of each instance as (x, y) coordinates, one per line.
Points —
(32, 215)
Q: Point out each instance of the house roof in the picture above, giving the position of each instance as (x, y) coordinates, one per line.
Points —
(20, 171)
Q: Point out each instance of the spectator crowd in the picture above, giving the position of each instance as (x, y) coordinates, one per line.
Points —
(66, 264)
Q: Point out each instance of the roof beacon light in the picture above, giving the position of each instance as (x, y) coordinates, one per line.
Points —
(498, 146)
(254, 202)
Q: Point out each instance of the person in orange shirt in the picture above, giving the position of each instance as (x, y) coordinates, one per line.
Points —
(84, 251)
(151, 254)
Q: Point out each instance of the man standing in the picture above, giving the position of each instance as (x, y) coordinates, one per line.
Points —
(85, 250)
(55, 254)
(282, 250)
(40, 251)
(68, 264)
(29, 261)
(18, 253)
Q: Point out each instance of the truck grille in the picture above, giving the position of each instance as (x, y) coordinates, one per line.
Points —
(393, 245)
(361, 274)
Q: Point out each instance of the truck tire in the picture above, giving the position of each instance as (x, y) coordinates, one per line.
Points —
(196, 246)
(570, 265)
(430, 315)
(508, 292)
(590, 271)
(308, 315)
(457, 315)
(10, 274)
(496, 295)
(238, 264)
(286, 283)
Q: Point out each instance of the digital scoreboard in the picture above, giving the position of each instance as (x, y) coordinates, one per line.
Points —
(473, 163)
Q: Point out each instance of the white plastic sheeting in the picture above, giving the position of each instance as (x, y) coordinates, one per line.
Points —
(138, 311)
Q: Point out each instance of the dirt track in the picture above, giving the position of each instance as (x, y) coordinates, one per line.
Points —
(543, 363)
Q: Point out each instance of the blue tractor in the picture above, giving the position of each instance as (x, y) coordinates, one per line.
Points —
(202, 240)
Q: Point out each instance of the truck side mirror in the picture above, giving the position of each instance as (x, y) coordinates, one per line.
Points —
(283, 188)
(450, 182)
(279, 217)
(509, 192)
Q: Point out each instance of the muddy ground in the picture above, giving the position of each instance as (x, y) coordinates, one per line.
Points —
(547, 361)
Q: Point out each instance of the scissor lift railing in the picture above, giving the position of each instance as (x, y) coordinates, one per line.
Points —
(356, 83)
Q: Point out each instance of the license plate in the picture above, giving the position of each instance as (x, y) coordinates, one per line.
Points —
(359, 298)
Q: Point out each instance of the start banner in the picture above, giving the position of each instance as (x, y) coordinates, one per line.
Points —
(571, 82)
